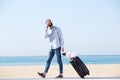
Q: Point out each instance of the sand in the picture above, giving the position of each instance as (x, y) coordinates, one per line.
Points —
(100, 71)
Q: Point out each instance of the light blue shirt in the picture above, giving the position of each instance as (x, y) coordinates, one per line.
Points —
(55, 37)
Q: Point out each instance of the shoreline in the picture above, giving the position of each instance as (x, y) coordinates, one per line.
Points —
(30, 72)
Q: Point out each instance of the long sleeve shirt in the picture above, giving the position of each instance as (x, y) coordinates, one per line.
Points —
(55, 37)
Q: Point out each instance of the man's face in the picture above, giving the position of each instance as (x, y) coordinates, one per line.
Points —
(48, 23)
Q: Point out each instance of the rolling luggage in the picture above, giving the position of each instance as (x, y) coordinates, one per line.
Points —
(79, 67)
(77, 64)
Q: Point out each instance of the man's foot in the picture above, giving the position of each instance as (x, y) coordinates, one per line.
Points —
(59, 76)
(41, 74)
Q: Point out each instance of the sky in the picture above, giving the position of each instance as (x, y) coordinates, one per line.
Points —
(89, 27)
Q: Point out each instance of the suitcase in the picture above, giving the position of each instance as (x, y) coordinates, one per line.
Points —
(79, 67)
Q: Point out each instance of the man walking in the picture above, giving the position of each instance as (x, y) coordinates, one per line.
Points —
(57, 43)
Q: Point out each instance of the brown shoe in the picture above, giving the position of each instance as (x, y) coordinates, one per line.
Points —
(41, 74)
(59, 76)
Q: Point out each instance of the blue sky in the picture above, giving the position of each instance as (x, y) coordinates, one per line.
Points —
(90, 27)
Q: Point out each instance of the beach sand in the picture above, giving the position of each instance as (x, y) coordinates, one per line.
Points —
(100, 71)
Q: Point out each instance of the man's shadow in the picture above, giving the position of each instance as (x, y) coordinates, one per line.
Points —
(65, 78)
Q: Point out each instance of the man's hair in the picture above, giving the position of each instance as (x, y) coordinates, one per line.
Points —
(48, 20)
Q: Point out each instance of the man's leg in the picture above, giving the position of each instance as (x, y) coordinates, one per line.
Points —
(51, 55)
(58, 54)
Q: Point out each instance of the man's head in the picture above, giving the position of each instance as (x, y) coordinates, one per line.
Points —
(49, 23)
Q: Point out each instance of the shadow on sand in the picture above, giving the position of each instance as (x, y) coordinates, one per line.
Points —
(92, 78)
(68, 78)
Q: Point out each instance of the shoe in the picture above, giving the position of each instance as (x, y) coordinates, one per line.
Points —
(41, 74)
(59, 76)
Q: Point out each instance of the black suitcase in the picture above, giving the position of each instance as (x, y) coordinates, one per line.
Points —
(79, 67)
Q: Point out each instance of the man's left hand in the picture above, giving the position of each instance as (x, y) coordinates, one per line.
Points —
(62, 49)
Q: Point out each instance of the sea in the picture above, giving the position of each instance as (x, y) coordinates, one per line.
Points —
(41, 60)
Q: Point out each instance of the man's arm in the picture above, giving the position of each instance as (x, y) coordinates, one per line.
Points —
(61, 39)
(46, 33)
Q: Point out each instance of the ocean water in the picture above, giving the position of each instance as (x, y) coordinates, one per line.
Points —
(41, 60)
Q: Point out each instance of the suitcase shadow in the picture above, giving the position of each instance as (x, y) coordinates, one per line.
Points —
(102, 77)
(92, 78)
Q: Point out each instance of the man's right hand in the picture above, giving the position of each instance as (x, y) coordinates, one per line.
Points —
(47, 26)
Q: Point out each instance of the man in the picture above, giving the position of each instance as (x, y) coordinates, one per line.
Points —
(56, 40)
